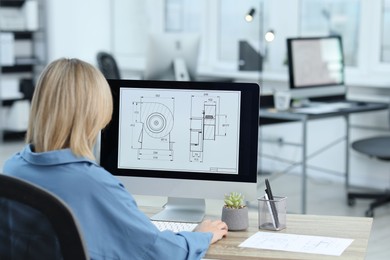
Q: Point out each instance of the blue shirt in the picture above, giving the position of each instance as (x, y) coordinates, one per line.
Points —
(112, 224)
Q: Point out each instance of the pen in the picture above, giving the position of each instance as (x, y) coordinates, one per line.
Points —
(270, 209)
(268, 191)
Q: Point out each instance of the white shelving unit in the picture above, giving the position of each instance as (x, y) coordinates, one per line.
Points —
(22, 56)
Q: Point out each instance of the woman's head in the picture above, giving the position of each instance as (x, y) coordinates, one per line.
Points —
(72, 102)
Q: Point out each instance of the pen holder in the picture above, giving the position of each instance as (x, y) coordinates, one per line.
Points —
(272, 213)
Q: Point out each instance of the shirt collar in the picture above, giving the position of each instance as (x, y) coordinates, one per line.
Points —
(54, 157)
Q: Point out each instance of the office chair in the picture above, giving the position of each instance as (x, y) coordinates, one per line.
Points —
(108, 65)
(36, 224)
(379, 148)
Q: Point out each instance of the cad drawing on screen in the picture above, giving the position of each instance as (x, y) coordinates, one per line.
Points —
(193, 134)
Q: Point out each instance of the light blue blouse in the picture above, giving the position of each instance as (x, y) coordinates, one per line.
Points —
(112, 224)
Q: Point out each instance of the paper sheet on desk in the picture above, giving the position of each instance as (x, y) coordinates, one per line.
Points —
(297, 243)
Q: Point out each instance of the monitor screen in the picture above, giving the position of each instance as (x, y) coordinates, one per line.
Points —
(172, 56)
(183, 139)
(316, 66)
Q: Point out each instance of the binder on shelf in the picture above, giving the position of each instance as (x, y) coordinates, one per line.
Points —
(7, 49)
(16, 116)
(9, 88)
(30, 10)
(11, 19)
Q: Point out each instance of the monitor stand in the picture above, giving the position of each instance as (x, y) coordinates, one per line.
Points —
(182, 210)
(180, 70)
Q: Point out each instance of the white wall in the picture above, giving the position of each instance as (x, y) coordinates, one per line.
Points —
(132, 20)
(78, 29)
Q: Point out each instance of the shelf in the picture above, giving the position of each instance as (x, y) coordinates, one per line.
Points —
(18, 68)
(9, 102)
(26, 61)
(20, 35)
(14, 136)
(12, 3)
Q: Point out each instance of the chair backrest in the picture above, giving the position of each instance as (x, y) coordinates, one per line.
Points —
(36, 224)
(108, 65)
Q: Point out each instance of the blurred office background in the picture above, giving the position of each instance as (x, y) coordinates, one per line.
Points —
(82, 29)
(122, 27)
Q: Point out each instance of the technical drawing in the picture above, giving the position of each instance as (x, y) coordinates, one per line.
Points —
(151, 128)
(206, 124)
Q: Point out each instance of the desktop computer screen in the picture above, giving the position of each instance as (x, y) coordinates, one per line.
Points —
(316, 66)
(183, 140)
(172, 56)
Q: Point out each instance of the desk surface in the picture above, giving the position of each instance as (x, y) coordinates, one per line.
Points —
(356, 228)
(295, 114)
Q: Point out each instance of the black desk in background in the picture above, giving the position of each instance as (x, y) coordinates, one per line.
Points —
(303, 115)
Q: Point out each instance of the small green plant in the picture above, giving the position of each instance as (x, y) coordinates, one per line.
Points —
(234, 200)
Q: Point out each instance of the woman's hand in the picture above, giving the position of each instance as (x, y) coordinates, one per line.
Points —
(217, 227)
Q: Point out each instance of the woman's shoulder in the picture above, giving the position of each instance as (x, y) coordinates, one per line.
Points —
(101, 177)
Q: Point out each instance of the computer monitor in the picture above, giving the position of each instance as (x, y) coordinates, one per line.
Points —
(188, 141)
(316, 67)
(172, 56)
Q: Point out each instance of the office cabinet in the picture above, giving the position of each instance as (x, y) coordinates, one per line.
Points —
(22, 57)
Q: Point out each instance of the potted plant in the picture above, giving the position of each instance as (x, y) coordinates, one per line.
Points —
(235, 212)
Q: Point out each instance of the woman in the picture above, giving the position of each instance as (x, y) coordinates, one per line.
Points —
(71, 104)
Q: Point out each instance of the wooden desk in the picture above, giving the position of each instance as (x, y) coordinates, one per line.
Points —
(356, 228)
(342, 227)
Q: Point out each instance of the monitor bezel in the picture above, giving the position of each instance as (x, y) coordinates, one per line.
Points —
(290, 61)
(248, 146)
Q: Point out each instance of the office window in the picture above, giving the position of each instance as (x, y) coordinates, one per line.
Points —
(327, 17)
(385, 46)
(233, 27)
(188, 16)
(129, 18)
(183, 15)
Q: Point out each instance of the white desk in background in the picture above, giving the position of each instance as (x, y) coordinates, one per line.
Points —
(229, 74)
(271, 115)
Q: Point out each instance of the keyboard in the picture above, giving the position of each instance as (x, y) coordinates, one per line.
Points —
(174, 226)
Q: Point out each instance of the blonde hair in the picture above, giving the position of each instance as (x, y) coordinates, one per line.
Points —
(72, 102)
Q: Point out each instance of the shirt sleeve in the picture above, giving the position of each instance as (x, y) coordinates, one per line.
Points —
(134, 235)
(184, 245)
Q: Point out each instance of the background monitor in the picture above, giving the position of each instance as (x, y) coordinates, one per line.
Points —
(316, 66)
(191, 140)
(172, 56)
